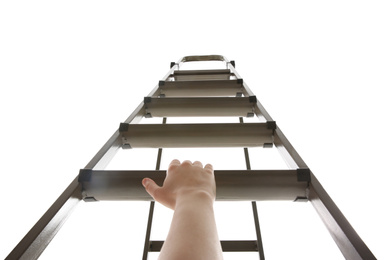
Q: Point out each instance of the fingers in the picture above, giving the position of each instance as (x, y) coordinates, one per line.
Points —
(186, 163)
(209, 168)
(197, 163)
(176, 163)
(151, 187)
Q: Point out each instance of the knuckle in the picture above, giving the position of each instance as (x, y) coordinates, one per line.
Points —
(186, 163)
(172, 167)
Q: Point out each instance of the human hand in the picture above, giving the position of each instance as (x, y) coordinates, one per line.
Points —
(184, 181)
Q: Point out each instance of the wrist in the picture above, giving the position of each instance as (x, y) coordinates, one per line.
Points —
(194, 197)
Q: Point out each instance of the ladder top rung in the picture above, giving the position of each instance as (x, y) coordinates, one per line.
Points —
(201, 72)
(203, 58)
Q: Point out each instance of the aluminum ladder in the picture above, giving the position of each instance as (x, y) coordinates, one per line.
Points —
(198, 93)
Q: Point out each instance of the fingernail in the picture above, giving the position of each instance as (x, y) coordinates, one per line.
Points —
(145, 182)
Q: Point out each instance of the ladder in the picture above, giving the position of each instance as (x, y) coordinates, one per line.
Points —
(198, 93)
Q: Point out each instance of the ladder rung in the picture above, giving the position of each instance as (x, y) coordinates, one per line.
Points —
(232, 185)
(202, 106)
(201, 88)
(227, 246)
(203, 58)
(195, 135)
(201, 77)
(201, 72)
(196, 75)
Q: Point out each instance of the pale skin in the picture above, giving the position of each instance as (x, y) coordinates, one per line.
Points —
(189, 189)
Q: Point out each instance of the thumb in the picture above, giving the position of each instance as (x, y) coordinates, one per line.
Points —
(151, 187)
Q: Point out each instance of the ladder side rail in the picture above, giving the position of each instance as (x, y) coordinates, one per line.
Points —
(247, 90)
(156, 90)
(110, 148)
(151, 207)
(262, 112)
(285, 148)
(346, 238)
(287, 151)
(147, 244)
(169, 73)
(41, 234)
(258, 232)
(106, 153)
(254, 208)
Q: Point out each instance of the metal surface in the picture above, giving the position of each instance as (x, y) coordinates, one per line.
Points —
(346, 238)
(254, 210)
(151, 209)
(287, 151)
(192, 75)
(205, 106)
(237, 185)
(148, 231)
(203, 58)
(110, 148)
(247, 90)
(200, 72)
(37, 239)
(196, 135)
(258, 232)
(254, 207)
(227, 245)
(203, 88)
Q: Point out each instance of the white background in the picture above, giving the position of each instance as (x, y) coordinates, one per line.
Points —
(70, 71)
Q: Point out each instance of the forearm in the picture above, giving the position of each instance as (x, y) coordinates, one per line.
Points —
(193, 233)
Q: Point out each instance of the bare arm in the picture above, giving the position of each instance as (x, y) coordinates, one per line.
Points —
(189, 189)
